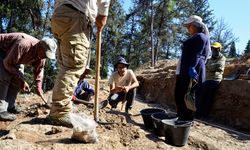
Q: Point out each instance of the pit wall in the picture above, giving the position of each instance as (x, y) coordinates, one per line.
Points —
(231, 105)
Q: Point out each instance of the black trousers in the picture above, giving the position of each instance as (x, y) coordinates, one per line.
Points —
(115, 98)
(181, 87)
(205, 97)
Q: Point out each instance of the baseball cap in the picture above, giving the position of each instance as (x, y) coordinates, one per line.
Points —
(51, 47)
(216, 45)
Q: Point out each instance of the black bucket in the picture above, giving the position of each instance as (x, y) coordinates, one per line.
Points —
(157, 121)
(146, 116)
(176, 132)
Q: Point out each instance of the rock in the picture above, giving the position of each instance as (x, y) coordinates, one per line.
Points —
(11, 135)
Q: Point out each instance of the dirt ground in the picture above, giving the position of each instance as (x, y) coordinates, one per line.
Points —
(118, 131)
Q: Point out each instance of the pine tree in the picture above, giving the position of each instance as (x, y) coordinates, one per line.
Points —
(232, 51)
(247, 50)
(202, 9)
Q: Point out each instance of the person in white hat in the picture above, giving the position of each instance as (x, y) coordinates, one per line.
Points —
(18, 49)
(195, 52)
(71, 25)
(214, 74)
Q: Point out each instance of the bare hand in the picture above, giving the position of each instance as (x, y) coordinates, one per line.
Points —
(100, 22)
(126, 89)
(119, 88)
(26, 87)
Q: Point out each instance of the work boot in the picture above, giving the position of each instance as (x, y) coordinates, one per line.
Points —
(5, 116)
(64, 120)
(15, 110)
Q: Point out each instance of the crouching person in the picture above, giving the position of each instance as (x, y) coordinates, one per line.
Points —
(84, 91)
(17, 49)
(123, 85)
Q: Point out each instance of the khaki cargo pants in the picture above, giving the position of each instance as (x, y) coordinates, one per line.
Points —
(71, 28)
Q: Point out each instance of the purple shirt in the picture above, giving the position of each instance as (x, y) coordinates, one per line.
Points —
(21, 48)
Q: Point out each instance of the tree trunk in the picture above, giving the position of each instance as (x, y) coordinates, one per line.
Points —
(152, 34)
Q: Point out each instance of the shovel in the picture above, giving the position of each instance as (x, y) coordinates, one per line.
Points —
(46, 105)
(97, 74)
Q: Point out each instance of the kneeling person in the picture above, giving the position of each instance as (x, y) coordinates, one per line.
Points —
(83, 91)
(123, 85)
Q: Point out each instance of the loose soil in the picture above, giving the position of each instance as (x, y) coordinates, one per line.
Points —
(116, 130)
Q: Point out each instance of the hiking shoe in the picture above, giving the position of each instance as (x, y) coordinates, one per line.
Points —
(64, 120)
(6, 116)
(15, 110)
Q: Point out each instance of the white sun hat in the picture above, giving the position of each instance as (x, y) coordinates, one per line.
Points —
(193, 18)
(51, 47)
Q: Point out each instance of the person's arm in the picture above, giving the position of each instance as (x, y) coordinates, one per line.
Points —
(10, 63)
(39, 75)
(113, 88)
(217, 66)
(196, 49)
(103, 8)
(134, 83)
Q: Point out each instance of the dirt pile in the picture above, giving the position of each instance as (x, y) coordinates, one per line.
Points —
(237, 66)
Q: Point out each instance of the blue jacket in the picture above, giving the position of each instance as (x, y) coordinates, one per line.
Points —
(83, 86)
(194, 54)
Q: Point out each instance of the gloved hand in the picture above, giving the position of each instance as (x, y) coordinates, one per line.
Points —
(73, 98)
(192, 73)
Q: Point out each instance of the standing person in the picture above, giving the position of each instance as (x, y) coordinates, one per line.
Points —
(17, 49)
(191, 66)
(214, 75)
(72, 25)
(123, 85)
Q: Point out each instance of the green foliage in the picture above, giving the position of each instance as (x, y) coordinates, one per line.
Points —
(247, 50)
(126, 33)
(50, 72)
(232, 51)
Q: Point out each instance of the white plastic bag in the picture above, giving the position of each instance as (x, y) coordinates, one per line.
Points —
(84, 128)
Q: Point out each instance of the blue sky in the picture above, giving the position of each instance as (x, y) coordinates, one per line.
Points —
(236, 15)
